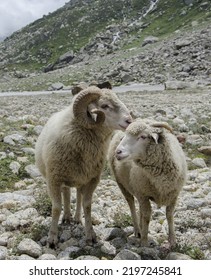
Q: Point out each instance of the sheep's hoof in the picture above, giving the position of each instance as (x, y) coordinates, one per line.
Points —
(91, 240)
(52, 240)
(137, 234)
(144, 243)
(172, 242)
(67, 219)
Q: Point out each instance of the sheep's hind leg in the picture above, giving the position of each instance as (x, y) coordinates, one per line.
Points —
(78, 206)
(67, 217)
(130, 200)
(55, 194)
(87, 191)
(170, 219)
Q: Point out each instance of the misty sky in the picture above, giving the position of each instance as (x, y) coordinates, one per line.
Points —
(15, 14)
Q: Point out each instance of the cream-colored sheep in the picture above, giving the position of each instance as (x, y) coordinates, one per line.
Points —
(71, 151)
(148, 164)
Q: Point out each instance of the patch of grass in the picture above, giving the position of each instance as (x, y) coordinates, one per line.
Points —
(7, 177)
(122, 220)
(37, 231)
(194, 252)
(43, 204)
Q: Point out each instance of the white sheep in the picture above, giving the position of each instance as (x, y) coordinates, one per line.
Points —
(71, 151)
(148, 164)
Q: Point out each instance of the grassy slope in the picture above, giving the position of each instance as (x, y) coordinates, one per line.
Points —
(71, 28)
(169, 17)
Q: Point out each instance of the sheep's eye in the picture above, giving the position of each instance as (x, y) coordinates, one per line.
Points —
(143, 137)
(104, 106)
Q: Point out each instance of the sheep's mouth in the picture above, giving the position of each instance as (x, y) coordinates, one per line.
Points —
(123, 127)
(121, 157)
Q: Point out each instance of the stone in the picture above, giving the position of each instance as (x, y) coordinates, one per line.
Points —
(3, 155)
(56, 86)
(126, 78)
(20, 218)
(13, 138)
(17, 198)
(66, 57)
(28, 151)
(29, 247)
(150, 40)
(205, 213)
(108, 249)
(127, 255)
(195, 203)
(25, 257)
(3, 253)
(199, 162)
(111, 233)
(194, 139)
(47, 257)
(182, 43)
(38, 129)
(4, 238)
(15, 167)
(87, 257)
(206, 150)
(148, 253)
(32, 170)
(177, 256)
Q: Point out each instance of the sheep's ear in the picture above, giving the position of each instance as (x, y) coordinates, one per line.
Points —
(97, 115)
(155, 137)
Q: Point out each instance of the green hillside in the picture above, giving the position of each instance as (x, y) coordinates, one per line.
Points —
(73, 26)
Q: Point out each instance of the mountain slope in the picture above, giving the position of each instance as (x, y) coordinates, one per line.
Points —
(68, 28)
(84, 28)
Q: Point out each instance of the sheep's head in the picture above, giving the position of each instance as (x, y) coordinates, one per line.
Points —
(138, 137)
(95, 107)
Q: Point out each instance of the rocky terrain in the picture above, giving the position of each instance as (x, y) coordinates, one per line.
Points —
(25, 206)
(184, 57)
(151, 41)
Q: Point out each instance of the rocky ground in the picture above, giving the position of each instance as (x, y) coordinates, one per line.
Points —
(184, 56)
(25, 207)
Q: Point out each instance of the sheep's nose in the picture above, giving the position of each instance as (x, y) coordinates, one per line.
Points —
(118, 152)
(129, 120)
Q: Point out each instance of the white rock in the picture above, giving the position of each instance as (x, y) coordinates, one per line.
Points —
(29, 247)
(13, 138)
(32, 170)
(206, 213)
(199, 162)
(3, 253)
(15, 167)
(3, 155)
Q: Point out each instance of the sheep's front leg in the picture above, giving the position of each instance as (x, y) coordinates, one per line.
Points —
(170, 219)
(87, 191)
(67, 217)
(145, 215)
(55, 194)
(130, 200)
